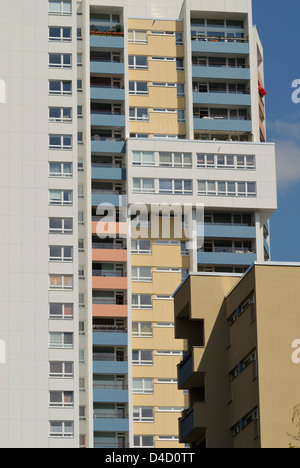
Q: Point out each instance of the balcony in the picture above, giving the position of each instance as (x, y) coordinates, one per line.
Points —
(107, 93)
(222, 124)
(107, 145)
(110, 393)
(102, 253)
(107, 40)
(188, 370)
(108, 364)
(230, 231)
(109, 308)
(108, 172)
(113, 338)
(236, 257)
(116, 228)
(112, 422)
(109, 280)
(221, 72)
(192, 426)
(222, 98)
(216, 45)
(108, 197)
(107, 119)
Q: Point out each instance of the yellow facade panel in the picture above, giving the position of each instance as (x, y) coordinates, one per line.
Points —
(158, 25)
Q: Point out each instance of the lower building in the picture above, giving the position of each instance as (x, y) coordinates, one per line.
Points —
(243, 348)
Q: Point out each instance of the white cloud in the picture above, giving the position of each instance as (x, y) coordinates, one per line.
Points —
(288, 162)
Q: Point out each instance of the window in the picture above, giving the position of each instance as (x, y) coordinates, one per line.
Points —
(143, 158)
(61, 311)
(60, 197)
(79, 60)
(143, 274)
(227, 189)
(175, 159)
(60, 226)
(58, 169)
(143, 414)
(60, 7)
(180, 90)
(137, 62)
(61, 399)
(139, 114)
(61, 282)
(142, 358)
(79, 34)
(226, 161)
(139, 246)
(180, 64)
(181, 115)
(143, 186)
(141, 301)
(138, 36)
(176, 187)
(60, 87)
(179, 38)
(143, 441)
(143, 386)
(60, 60)
(169, 353)
(163, 85)
(142, 329)
(61, 340)
(138, 87)
(60, 142)
(61, 429)
(60, 254)
(164, 59)
(61, 370)
(60, 34)
(60, 114)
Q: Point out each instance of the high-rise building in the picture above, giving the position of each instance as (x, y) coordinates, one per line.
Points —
(242, 343)
(113, 109)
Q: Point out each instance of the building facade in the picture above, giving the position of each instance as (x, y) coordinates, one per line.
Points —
(114, 110)
(238, 339)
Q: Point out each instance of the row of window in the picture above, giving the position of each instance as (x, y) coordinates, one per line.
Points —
(63, 34)
(185, 160)
(145, 357)
(185, 187)
(141, 114)
(141, 88)
(141, 37)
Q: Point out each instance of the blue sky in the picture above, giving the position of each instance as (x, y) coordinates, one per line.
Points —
(278, 25)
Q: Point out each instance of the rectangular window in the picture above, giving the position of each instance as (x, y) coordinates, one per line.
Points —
(60, 114)
(60, 226)
(227, 189)
(143, 414)
(142, 329)
(175, 159)
(58, 87)
(141, 301)
(137, 62)
(143, 274)
(61, 340)
(138, 88)
(143, 441)
(142, 358)
(181, 115)
(226, 161)
(60, 197)
(143, 186)
(61, 370)
(58, 169)
(61, 399)
(143, 386)
(60, 60)
(60, 254)
(60, 142)
(61, 282)
(137, 37)
(142, 247)
(176, 187)
(139, 114)
(143, 158)
(180, 90)
(61, 311)
(60, 7)
(180, 64)
(60, 34)
(61, 429)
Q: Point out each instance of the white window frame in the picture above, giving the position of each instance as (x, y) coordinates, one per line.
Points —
(64, 374)
(61, 92)
(62, 11)
(62, 257)
(141, 361)
(65, 142)
(135, 91)
(62, 315)
(140, 333)
(227, 192)
(65, 61)
(138, 250)
(61, 285)
(63, 229)
(142, 188)
(138, 67)
(173, 162)
(64, 433)
(144, 390)
(62, 344)
(61, 37)
(136, 118)
(134, 39)
(141, 439)
(140, 418)
(212, 161)
(63, 404)
(137, 276)
(63, 200)
(139, 304)
(65, 114)
(174, 190)
(139, 158)
(63, 172)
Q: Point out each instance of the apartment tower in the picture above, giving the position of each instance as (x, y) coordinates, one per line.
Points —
(111, 106)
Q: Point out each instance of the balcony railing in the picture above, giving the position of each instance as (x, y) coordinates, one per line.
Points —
(107, 192)
(106, 59)
(104, 112)
(108, 246)
(220, 91)
(100, 386)
(114, 445)
(109, 329)
(237, 250)
(108, 301)
(96, 137)
(196, 37)
(109, 358)
(110, 415)
(217, 65)
(222, 117)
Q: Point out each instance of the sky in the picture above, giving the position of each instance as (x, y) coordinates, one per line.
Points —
(278, 25)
